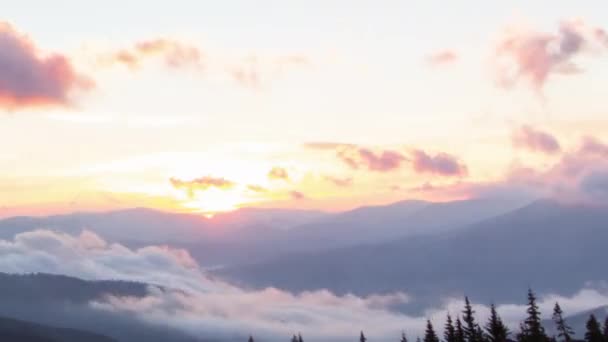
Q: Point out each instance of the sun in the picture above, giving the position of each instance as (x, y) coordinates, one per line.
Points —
(215, 201)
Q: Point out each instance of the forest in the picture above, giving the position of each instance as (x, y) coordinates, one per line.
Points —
(465, 328)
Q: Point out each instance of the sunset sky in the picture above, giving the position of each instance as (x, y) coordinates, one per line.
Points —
(201, 106)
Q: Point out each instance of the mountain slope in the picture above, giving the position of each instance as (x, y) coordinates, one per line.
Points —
(546, 245)
(62, 301)
(384, 223)
(17, 330)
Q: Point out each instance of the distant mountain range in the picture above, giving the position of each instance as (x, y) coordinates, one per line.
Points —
(545, 245)
(248, 235)
(492, 248)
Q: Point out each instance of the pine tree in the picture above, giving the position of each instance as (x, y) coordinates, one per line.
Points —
(459, 331)
(300, 339)
(564, 331)
(594, 332)
(496, 330)
(606, 329)
(362, 338)
(449, 332)
(429, 334)
(472, 331)
(532, 329)
(251, 338)
(403, 337)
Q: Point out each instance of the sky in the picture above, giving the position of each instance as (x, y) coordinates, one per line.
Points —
(199, 106)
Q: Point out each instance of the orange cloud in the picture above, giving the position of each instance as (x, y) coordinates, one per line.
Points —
(341, 182)
(256, 188)
(201, 184)
(175, 54)
(30, 79)
(278, 173)
(535, 140)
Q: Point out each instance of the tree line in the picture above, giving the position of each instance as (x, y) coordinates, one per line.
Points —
(465, 328)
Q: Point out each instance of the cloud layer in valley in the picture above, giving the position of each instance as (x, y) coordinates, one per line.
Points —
(205, 307)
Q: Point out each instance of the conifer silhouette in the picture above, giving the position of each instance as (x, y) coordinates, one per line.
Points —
(472, 330)
(594, 332)
(564, 331)
(496, 330)
(449, 332)
(531, 328)
(429, 334)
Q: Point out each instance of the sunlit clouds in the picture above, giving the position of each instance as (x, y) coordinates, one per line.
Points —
(29, 78)
(204, 115)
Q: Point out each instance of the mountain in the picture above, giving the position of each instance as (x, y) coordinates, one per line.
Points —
(251, 234)
(546, 245)
(17, 330)
(225, 238)
(401, 219)
(36, 302)
(578, 321)
(151, 226)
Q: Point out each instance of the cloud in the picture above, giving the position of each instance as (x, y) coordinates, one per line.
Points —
(593, 146)
(256, 188)
(175, 54)
(253, 71)
(530, 138)
(595, 184)
(201, 184)
(577, 176)
(341, 182)
(297, 195)
(442, 57)
(386, 160)
(208, 308)
(31, 79)
(361, 157)
(441, 164)
(534, 56)
(278, 173)
(191, 301)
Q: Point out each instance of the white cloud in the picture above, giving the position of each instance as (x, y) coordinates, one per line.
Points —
(202, 306)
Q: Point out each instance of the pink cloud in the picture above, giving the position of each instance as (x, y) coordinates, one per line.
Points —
(532, 139)
(534, 56)
(379, 161)
(31, 79)
(297, 195)
(442, 57)
(382, 161)
(440, 164)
